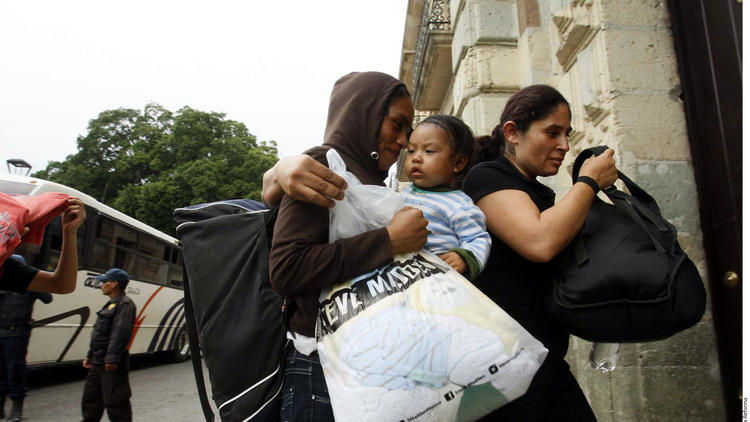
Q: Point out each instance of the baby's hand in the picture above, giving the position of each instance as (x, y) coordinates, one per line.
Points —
(454, 260)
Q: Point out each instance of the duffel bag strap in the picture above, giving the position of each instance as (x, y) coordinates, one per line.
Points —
(623, 203)
(580, 251)
(195, 353)
(585, 155)
(639, 196)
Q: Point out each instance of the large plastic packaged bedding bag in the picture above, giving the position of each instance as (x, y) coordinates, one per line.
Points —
(414, 340)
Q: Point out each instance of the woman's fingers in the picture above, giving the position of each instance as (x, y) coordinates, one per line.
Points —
(601, 168)
(610, 170)
(305, 179)
(313, 196)
(309, 187)
(332, 184)
(407, 230)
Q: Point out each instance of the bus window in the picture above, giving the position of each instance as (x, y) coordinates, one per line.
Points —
(49, 252)
(54, 228)
(100, 256)
(151, 265)
(53, 239)
(151, 270)
(114, 246)
(175, 272)
(29, 252)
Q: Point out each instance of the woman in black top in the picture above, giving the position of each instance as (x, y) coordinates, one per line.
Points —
(528, 229)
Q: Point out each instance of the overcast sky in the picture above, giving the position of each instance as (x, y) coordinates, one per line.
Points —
(269, 64)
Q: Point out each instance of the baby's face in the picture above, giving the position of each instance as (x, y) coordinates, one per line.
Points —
(430, 160)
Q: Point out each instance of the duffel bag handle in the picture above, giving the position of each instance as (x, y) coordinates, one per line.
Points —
(627, 204)
(641, 196)
(634, 189)
(585, 155)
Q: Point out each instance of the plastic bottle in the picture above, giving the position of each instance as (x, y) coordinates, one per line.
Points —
(604, 356)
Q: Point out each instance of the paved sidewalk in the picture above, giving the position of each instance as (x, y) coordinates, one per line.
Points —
(162, 392)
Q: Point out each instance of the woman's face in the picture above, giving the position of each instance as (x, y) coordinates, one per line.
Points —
(540, 150)
(394, 131)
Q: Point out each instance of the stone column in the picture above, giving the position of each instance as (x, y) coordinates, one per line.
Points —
(486, 64)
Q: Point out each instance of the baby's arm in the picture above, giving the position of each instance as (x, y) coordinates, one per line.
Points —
(455, 260)
(469, 224)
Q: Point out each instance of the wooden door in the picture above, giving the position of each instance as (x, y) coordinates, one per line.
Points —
(708, 38)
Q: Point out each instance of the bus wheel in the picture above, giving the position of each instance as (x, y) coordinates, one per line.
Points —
(181, 351)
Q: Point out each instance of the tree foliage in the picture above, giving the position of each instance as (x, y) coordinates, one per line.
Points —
(148, 162)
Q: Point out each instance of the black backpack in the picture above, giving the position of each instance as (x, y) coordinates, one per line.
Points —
(625, 278)
(231, 310)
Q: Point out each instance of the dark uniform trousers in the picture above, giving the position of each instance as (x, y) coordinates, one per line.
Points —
(109, 341)
(107, 389)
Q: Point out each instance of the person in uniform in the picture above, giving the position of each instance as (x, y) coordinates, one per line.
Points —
(15, 328)
(107, 384)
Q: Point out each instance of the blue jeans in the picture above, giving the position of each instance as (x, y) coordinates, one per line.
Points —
(13, 366)
(304, 395)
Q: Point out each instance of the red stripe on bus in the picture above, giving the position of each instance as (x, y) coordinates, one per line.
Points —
(139, 319)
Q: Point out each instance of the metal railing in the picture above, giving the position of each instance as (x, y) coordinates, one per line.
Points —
(435, 18)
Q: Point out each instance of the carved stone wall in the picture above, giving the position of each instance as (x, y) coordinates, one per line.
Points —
(615, 61)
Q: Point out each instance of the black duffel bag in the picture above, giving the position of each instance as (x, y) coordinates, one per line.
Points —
(625, 278)
(231, 309)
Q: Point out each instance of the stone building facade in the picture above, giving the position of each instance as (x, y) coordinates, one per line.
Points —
(615, 61)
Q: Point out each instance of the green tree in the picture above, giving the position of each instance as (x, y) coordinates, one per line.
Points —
(147, 163)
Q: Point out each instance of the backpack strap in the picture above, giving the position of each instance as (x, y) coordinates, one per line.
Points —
(195, 354)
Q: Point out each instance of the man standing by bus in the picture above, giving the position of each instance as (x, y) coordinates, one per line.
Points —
(107, 384)
(15, 328)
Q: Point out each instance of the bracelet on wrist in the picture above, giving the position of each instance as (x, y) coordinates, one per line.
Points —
(591, 182)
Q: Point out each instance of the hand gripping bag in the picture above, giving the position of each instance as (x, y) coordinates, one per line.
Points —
(624, 277)
(414, 340)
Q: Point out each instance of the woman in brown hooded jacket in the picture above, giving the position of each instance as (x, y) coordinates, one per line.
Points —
(369, 117)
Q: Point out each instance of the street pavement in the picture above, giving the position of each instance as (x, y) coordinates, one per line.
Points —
(162, 392)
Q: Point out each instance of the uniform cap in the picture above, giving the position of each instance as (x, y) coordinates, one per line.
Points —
(114, 274)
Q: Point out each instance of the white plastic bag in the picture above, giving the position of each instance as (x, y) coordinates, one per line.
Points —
(365, 207)
(414, 340)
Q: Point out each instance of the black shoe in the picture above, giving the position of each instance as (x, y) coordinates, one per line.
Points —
(17, 410)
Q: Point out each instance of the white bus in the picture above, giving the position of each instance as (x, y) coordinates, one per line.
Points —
(108, 238)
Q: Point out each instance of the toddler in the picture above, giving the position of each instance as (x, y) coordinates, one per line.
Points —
(438, 152)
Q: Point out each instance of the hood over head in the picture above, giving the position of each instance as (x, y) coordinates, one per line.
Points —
(356, 110)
